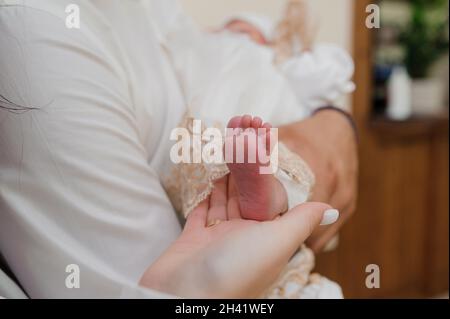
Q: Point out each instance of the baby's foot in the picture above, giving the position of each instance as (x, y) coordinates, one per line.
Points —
(261, 196)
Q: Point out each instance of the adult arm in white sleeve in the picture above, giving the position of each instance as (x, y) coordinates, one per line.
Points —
(75, 184)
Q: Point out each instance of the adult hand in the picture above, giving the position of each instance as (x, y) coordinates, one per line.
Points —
(327, 143)
(232, 258)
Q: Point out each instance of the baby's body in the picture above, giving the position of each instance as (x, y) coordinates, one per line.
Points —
(319, 75)
(244, 78)
(316, 78)
(264, 177)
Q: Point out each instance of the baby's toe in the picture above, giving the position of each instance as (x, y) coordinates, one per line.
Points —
(246, 121)
(235, 122)
(257, 122)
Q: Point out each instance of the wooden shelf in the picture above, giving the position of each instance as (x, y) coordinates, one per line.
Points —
(414, 127)
(401, 221)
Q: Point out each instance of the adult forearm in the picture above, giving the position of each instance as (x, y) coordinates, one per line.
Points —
(327, 142)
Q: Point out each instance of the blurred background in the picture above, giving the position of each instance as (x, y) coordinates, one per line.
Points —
(401, 109)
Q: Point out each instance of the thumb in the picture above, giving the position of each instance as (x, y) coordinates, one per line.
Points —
(197, 218)
(299, 223)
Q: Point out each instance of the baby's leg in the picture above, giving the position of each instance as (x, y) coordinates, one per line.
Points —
(261, 196)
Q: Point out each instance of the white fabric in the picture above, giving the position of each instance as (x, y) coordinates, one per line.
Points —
(224, 75)
(323, 289)
(9, 289)
(296, 194)
(320, 77)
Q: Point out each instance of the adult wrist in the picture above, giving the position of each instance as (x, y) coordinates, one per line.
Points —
(341, 112)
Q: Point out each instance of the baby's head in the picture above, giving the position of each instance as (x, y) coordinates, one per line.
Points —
(244, 27)
(258, 28)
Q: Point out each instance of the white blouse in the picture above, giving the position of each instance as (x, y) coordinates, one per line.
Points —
(78, 175)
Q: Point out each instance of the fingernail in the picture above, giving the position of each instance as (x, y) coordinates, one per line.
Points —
(329, 217)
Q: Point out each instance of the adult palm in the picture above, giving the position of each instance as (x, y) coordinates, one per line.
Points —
(221, 255)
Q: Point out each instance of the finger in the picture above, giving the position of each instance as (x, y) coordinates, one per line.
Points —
(218, 201)
(197, 218)
(320, 194)
(344, 197)
(322, 235)
(297, 225)
(233, 209)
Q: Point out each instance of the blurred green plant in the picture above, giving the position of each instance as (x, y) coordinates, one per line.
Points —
(425, 38)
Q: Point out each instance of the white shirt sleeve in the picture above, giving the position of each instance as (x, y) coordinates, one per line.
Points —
(75, 184)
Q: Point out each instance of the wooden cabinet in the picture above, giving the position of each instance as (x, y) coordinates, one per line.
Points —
(402, 222)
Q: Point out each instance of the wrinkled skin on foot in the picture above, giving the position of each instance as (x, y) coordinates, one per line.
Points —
(261, 196)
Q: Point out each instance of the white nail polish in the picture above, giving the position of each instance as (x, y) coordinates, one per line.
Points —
(329, 217)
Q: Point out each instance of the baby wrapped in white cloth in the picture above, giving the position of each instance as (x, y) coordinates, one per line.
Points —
(319, 74)
(224, 75)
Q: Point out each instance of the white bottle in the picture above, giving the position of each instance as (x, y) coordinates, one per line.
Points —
(399, 95)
